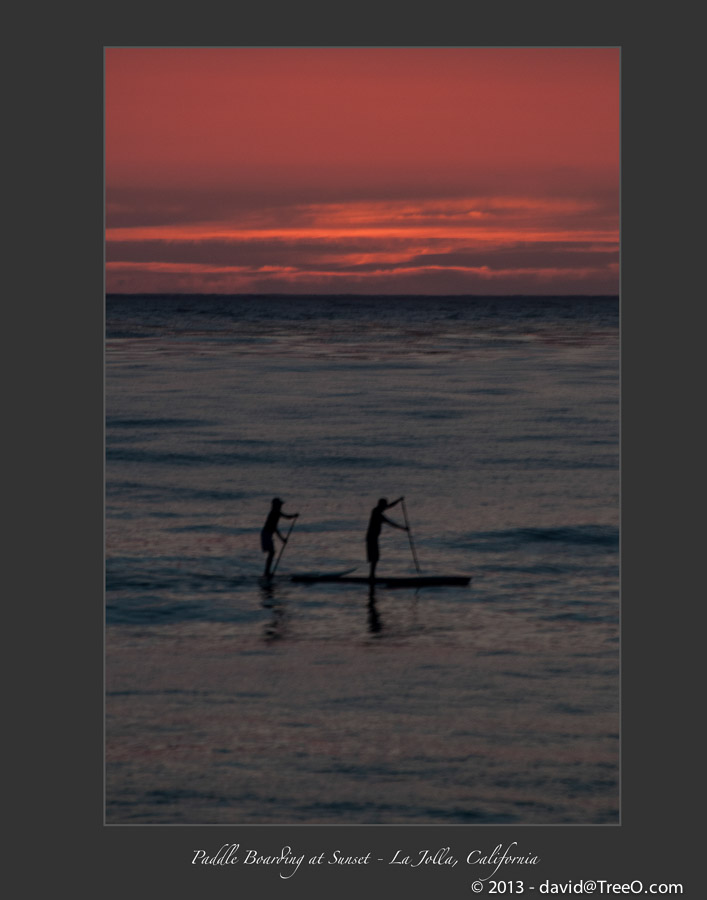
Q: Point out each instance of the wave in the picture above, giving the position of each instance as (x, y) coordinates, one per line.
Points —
(173, 458)
(606, 536)
(150, 491)
(554, 463)
(285, 456)
(153, 423)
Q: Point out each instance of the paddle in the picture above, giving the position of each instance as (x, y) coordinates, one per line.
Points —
(284, 544)
(412, 546)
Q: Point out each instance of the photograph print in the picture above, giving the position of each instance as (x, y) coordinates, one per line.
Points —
(362, 436)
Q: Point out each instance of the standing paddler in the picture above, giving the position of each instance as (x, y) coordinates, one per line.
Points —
(374, 529)
(270, 528)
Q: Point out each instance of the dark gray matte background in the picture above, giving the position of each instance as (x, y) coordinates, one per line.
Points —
(62, 642)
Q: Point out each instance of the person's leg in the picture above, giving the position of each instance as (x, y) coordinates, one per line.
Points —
(267, 546)
(373, 560)
(268, 562)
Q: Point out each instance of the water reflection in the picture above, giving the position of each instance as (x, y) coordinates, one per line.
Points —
(277, 626)
(374, 621)
(275, 629)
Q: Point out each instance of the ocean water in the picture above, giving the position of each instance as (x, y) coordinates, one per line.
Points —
(230, 701)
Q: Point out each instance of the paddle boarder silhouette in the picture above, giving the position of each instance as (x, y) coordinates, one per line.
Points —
(269, 529)
(374, 529)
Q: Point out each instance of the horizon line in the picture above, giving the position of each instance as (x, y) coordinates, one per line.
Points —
(408, 296)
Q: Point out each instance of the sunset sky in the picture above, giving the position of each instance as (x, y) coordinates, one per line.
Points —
(362, 170)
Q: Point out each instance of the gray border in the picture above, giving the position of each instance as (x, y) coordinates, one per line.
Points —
(658, 730)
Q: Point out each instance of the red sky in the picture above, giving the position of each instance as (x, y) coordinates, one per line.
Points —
(362, 170)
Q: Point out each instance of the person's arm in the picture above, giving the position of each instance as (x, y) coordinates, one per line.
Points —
(285, 516)
(395, 502)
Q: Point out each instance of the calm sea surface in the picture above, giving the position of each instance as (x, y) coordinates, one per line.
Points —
(232, 702)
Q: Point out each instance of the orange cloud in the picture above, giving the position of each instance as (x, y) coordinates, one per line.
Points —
(367, 169)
